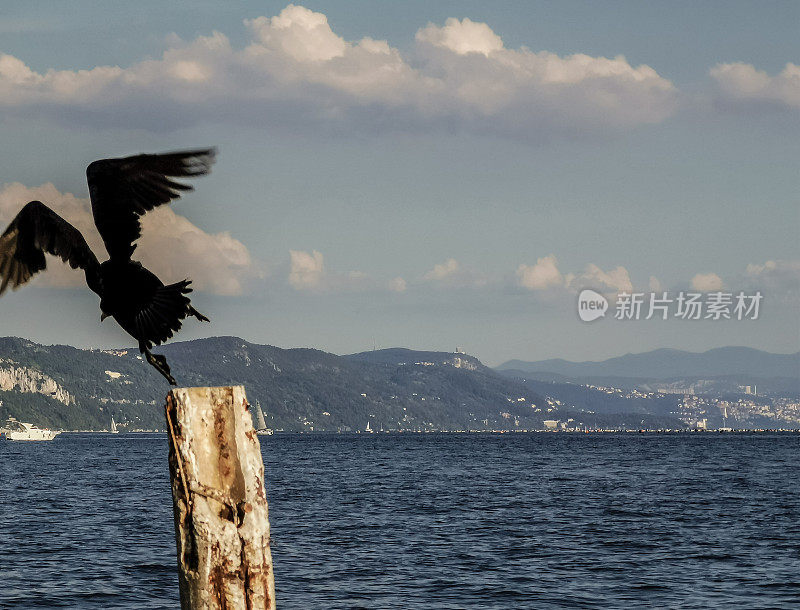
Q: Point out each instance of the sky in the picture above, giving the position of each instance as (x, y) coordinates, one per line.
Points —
(428, 175)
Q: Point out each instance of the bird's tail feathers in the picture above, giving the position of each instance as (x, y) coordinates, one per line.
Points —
(197, 314)
(163, 315)
(184, 289)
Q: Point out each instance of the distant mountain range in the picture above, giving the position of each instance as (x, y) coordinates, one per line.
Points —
(671, 363)
(299, 389)
(310, 390)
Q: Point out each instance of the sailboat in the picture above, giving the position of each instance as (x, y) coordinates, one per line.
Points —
(369, 429)
(261, 424)
(725, 427)
(114, 426)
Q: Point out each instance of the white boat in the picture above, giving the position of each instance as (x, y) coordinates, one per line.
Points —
(22, 431)
(261, 424)
(369, 429)
(114, 426)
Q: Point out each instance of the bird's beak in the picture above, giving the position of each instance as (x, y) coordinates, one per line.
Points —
(103, 316)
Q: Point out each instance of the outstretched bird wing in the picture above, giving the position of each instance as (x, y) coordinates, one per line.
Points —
(124, 189)
(38, 230)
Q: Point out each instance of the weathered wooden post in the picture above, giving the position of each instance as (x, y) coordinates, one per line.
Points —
(220, 507)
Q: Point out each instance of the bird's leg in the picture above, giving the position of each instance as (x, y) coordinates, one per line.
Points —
(158, 362)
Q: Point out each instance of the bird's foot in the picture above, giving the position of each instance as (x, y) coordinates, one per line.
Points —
(159, 362)
(163, 368)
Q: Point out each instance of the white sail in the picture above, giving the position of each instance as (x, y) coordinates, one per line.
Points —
(261, 424)
(114, 426)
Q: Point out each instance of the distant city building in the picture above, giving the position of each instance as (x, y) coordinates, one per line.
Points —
(550, 424)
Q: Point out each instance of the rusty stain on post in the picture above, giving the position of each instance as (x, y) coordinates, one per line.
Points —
(220, 508)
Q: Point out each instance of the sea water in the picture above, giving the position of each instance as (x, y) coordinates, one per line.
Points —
(429, 521)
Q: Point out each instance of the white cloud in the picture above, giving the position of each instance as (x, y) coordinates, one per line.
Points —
(779, 277)
(741, 85)
(444, 270)
(171, 246)
(462, 37)
(655, 284)
(398, 284)
(296, 72)
(756, 270)
(707, 282)
(307, 272)
(299, 33)
(613, 280)
(451, 274)
(544, 274)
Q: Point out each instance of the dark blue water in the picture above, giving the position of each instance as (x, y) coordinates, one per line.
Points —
(426, 521)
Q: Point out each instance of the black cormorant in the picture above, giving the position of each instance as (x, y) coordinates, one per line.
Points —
(121, 191)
